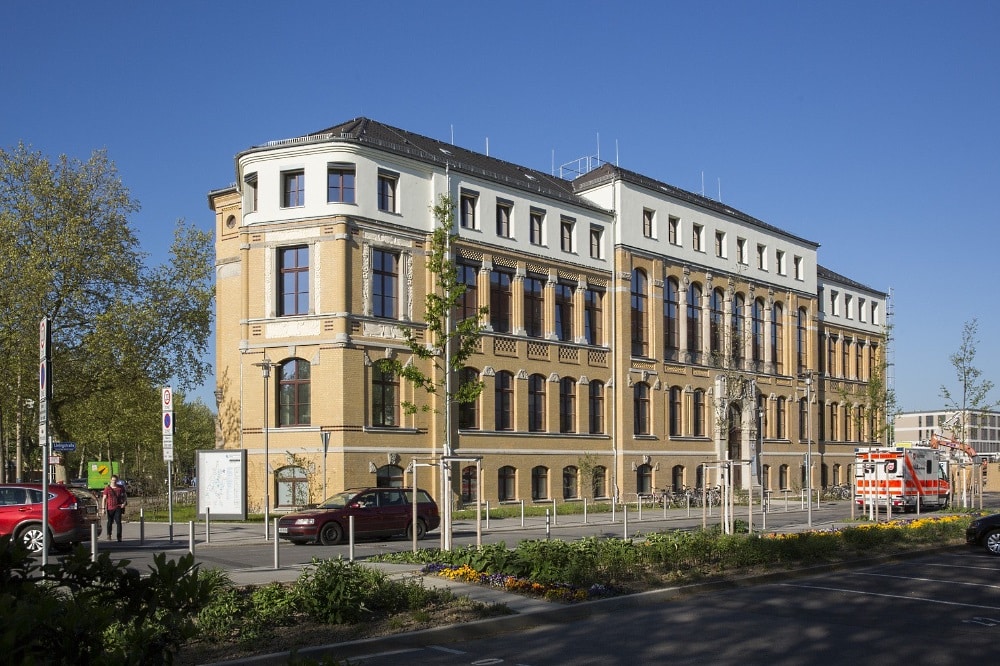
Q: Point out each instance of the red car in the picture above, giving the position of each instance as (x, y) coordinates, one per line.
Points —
(71, 513)
(378, 512)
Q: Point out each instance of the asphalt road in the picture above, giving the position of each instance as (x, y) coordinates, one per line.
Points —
(942, 608)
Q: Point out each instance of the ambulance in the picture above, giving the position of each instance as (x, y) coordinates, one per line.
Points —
(901, 478)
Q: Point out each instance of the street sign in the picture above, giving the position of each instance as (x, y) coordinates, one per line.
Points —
(64, 446)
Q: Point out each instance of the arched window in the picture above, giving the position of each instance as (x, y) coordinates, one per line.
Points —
(640, 340)
(468, 412)
(469, 493)
(567, 404)
(675, 411)
(779, 418)
(765, 475)
(385, 394)
(599, 481)
(503, 400)
(293, 393)
(777, 337)
(571, 482)
(292, 485)
(698, 413)
(507, 484)
(644, 479)
(783, 478)
(536, 403)
(738, 324)
(716, 323)
(640, 409)
(596, 391)
(800, 341)
(837, 471)
(539, 483)
(694, 323)
(757, 333)
(677, 478)
(389, 476)
(671, 322)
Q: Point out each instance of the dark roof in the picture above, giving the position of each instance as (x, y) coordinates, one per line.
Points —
(608, 172)
(824, 273)
(401, 142)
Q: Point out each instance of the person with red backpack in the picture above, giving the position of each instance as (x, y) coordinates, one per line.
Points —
(113, 502)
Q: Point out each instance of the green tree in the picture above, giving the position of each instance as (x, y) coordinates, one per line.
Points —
(973, 391)
(70, 254)
(449, 343)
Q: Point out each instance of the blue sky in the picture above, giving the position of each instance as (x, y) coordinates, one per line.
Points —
(870, 127)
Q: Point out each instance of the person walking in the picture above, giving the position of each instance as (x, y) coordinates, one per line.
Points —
(113, 501)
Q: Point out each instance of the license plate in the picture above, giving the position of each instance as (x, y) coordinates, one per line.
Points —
(282, 530)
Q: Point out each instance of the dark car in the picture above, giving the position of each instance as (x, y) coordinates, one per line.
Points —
(71, 513)
(985, 532)
(377, 512)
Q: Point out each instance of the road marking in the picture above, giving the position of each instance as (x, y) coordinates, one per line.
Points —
(887, 596)
(444, 649)
(923, 580)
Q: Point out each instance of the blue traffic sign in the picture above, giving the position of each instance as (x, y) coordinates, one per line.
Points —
(64, 446)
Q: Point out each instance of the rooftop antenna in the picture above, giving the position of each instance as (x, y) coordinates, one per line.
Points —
(703, 183)
(598, 148)
(453, 134)
(720, 190)
(553, 167)
(616, 152)
(487, 146)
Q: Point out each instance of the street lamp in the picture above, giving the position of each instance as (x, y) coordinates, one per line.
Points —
(265, 371)
(807, 377)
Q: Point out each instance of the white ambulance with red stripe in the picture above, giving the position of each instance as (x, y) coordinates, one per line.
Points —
(899, 478)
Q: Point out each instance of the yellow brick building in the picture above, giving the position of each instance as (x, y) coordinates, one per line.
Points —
(639, 336)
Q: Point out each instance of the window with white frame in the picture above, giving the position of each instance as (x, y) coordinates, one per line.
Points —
(797, 262)
(536, 224)
(596, 242)
(340, 183)
(467, 210)
(567, 233)
(779, 260)
(388, 183)
(720, 244)
(674, 230)
(293, 188)
(741, 251)
(698, 238)
(504, 209)
(648, 218)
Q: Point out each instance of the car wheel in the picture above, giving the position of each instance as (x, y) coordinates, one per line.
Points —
(992, 542)
(31, 538)
(330, 534)
(421, 530)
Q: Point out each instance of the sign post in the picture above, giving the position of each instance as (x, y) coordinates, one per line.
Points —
(167, 401)
(44, 394)
(325, 436)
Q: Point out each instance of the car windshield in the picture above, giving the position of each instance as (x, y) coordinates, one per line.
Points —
(338, 501)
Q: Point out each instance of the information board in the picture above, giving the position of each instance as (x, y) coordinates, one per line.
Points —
(222, 483)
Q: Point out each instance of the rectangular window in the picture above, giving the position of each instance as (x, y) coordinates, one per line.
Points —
(848, 306)
(468, 210)
(468, 303)
(779, 260)
(533, 306)
(741, 251)
(761, 257)
(250, 192)
(862, 314)
(503, 219)
(567, 231)
(385, 389)
(500, 301)
(834, 303)
(387, 184)
(647, 223)
(537, 226)
(698, 238)
(564, 311)
(340, 183)
(596, 242)
(720, 244)
(593, 317)
(293, 189)
(797, 261)
(293, 272)
(385, 281)
(673, 230)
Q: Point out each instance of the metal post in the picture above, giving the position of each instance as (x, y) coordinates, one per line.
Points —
(625, 520)
(277, 561)
(142, 526)
(265, 368)
(522, 512)
(584, 510)
(208, 525)
(350, 538)
(548, 526)
(93, 542)
(488, 514)
(191, 537)
(555, 514)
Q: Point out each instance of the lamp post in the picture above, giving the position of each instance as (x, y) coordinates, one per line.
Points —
(807, 377)
(265, 370)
